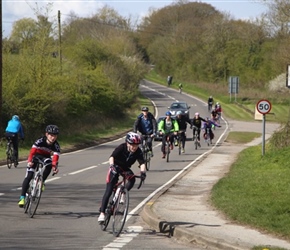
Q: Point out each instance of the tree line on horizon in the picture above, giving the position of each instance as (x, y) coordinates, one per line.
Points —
(89, 76)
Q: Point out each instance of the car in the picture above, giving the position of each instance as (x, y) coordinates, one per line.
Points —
(158, 137)
(179, 106)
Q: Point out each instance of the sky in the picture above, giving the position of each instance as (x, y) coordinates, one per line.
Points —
(13, 10)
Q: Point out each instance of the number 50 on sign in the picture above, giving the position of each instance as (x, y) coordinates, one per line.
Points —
(264, 107)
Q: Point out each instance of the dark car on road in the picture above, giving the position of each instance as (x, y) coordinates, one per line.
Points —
(179, 106)
(158, 137)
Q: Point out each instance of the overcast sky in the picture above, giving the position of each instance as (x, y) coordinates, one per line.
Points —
(13, 10)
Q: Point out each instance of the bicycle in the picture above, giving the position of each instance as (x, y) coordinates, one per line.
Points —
(195, 138)
(167, 147)
(10, 154)
(34, 191)
(179, 140)
(207, 136)
(118, 205)
(145, 150)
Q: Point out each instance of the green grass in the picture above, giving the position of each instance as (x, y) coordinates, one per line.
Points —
(242, 137)
(256, 191)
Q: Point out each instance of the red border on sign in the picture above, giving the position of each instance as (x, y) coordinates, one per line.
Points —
(262, 101)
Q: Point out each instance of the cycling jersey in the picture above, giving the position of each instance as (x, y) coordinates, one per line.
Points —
(41, 147)
(125, 159)
(182, 122)
(168, 126)
(197, 122)
(146, 126)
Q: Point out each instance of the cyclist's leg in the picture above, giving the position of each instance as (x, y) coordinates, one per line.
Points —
(25, 185)
(163, 144)
(183, 139)
(15, 146)
(46, 172)
(149, 142)
(111, 181)
(131, 179)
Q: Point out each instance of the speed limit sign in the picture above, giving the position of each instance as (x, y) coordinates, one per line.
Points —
(264, 106)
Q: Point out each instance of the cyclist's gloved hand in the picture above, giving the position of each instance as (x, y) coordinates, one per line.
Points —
(55, 169)
(114, 169)
(143, 175)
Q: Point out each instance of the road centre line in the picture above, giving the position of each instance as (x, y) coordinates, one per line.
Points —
(82, 170)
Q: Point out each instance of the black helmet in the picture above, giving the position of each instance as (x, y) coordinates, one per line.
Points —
(145, 109)
(133, 138)
(52, 129)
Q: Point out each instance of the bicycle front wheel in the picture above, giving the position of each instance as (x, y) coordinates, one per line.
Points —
(167, 152)
(147, 159)
(35, 197)
(120, 212)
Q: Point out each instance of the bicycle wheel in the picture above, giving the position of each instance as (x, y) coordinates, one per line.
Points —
(167, 151)
(147, 159)
(9, 154)
(195, 143)
(120, 212)
(35, 197)
(108, 215)
(179, 146)
(27, 198)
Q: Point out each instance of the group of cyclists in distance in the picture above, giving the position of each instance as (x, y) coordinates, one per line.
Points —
(170, 128)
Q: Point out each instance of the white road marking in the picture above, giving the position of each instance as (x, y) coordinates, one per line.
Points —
(125, 238)
(82, 170)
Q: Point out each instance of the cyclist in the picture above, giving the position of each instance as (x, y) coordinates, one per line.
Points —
(44, 147)
(218, 109)
(180, 87)
(182, 123)
(214, 115)
(121, 161)
(196, 124)
(146, 125)
(210, 102)
(14, 127)
(168, 127)
(207, 126)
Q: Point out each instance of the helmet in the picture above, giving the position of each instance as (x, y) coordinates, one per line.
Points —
(15, 117)
(145, 109)
(52, 129)
(196, 114)
(178, 113)
(133, 138)
(168, 113)
(217, 103)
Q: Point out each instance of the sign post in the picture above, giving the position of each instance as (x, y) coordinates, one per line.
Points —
(264, 107)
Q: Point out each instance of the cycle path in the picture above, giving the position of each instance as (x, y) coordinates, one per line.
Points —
(183, 211)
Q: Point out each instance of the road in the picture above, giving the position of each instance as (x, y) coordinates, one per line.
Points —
(68, 211)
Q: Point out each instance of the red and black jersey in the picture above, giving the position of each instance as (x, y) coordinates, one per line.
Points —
(41, 147)
(125, 159)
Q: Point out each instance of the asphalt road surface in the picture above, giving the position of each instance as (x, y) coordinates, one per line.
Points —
(67, 214)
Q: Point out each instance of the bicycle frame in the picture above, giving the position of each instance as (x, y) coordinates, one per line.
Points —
(195, 137)
(35, 187)
(10, 154)
(207, 136)
(118, 206)
(145, 150)
(179, 140)
(167, 147)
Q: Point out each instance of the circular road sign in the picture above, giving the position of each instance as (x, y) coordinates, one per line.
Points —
(264, 106)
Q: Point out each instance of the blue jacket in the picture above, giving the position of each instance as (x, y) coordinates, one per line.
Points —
(14, 126)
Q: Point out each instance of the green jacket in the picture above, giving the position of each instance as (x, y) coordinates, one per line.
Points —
(174, 128)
